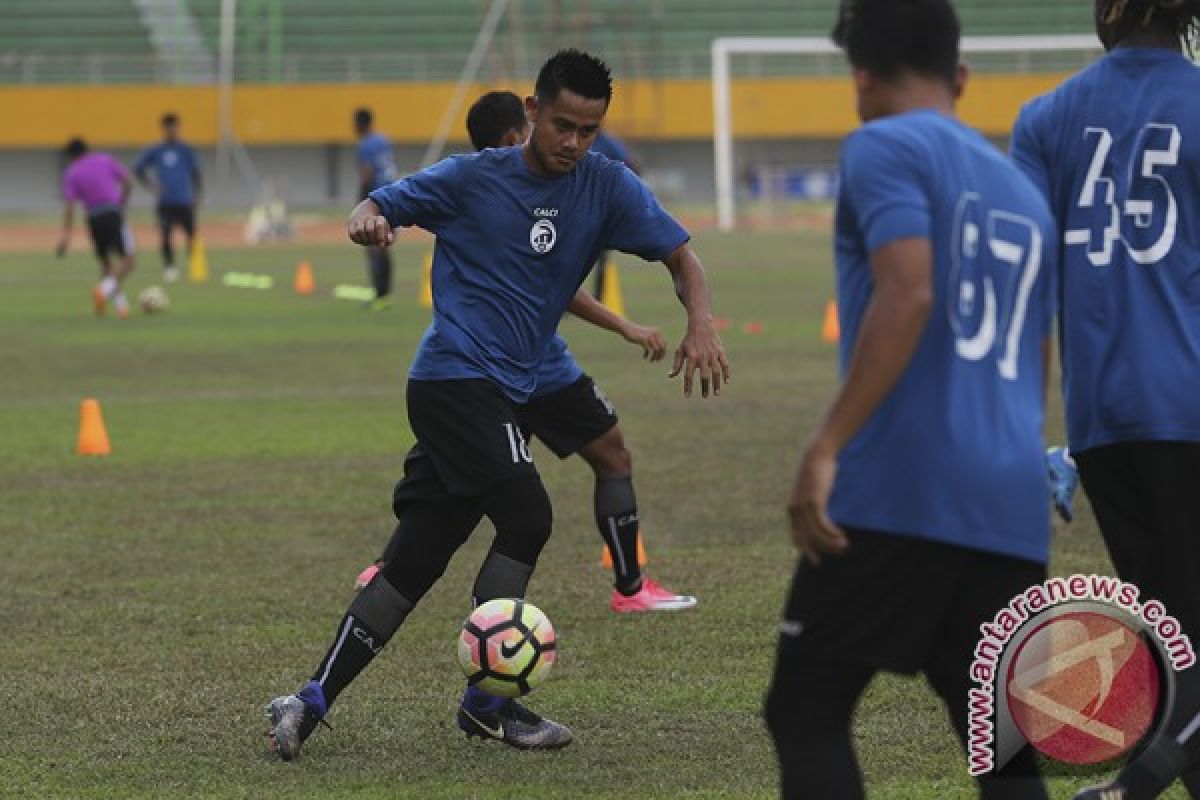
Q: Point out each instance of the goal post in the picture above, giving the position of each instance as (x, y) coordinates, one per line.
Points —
(723, 49)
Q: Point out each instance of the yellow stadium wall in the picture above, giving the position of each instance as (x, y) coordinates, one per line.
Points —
(774, 108)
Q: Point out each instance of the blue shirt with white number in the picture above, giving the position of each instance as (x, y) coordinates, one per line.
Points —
(954, 452)
(176, 170)
(1116, 151)
(512, 247)
(375, 152)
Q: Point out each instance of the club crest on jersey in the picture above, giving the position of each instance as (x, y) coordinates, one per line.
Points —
(542, 236)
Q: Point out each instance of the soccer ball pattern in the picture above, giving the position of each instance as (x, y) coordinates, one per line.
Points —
(153, 300)
(506, 647)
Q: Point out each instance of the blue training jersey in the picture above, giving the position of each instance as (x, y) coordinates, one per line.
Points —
(176, 170)
(512, 247)
(1116, 151)
(611, 147)
(558, 369)
(375, 151)
(954, 452)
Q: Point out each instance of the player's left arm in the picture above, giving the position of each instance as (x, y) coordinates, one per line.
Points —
(589, 309)
(900, 304)
(701, 349)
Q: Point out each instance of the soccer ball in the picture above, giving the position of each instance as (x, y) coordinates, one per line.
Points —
(506, 647)
(153, 300)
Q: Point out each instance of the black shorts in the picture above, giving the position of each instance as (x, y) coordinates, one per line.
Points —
(569, 419)
(170, 215)
(897, 602)
(468, 439)
(109, 234)
(1146, 498)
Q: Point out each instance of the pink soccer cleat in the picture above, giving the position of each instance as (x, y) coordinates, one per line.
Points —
(366, 576)
(651, 597)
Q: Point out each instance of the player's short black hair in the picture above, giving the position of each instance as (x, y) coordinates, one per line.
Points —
(492, 116)
(170, 118)
(891, 37)
(75, 147)
(1116, 19)
(363, 119)
(575, 71)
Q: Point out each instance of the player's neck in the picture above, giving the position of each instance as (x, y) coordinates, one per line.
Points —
(1151, 37)
(918, 95)
(531, 161)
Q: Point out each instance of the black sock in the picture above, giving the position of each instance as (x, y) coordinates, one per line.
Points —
(380, 261)
(369, 623)
(617, 519)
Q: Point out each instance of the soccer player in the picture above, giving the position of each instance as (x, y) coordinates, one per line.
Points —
(516, 230)
(376, 168)
(609, 146)
(570, 413)
(908, 538)
(102, 185)
(171, 171)
(1116, 151)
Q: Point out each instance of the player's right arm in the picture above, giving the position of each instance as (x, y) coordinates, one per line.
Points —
(70, 195)
(1028, 148)
(427, 199)
(68, 221)
(141, 169)
(367, 226)
(589, 309)
(882, 184)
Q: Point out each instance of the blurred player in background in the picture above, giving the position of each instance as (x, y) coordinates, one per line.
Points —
(516, 232)
(1123, 179)
(171, 170)
(102, 185)
(909, 539)
(569, 412)
(376, 168)
(611, 147)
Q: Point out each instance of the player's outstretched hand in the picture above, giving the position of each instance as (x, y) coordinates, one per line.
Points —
(651, 340)
(701, 351)
(368, 227)
(813, 532)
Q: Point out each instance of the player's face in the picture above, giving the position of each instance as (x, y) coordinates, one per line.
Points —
(170, 131)
(563, 130)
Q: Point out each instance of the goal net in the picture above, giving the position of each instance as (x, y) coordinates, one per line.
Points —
(773, 176)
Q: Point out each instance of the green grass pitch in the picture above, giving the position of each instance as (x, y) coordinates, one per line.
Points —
(154, 600)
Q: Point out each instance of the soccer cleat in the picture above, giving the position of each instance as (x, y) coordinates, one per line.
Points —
(1109, 791)
(381, 303)
(99, 301)
(293, 720)
(513, 724)
(171, 274)
(651, 597)
(1063, 478)
(367, 575)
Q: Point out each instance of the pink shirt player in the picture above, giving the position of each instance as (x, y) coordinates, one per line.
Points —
(96, 180)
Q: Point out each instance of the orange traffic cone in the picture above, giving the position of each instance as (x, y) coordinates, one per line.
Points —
(304, 283)
(830, 332)
(93, 438)
(606, 556)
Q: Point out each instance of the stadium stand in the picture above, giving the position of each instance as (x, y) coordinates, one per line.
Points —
(107, 41)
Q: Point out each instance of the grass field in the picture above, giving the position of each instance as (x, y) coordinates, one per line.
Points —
(154, 600)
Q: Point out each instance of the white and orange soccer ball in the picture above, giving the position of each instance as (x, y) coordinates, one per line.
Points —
(507, 647)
